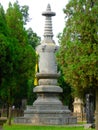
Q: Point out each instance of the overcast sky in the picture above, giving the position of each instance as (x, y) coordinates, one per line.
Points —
(36, 7)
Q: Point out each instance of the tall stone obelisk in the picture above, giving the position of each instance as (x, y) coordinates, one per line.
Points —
(47, 108)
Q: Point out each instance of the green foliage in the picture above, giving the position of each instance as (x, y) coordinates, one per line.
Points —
(3, 25)
(66, 97)
(3, 54)
(15, 22)
(78, 54)
(17, 57)
(33, 39)
(31, 97)
(24, 10)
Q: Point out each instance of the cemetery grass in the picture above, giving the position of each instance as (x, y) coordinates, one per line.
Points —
(29, 127)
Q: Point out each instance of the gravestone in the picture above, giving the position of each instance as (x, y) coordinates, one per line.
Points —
(78, 109)
(90, 108)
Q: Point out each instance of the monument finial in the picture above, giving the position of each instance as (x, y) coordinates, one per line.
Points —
(48, 34)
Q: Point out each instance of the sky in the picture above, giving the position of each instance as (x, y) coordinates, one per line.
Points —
(36, 7)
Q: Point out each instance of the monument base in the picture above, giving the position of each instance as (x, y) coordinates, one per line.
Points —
(52, 115)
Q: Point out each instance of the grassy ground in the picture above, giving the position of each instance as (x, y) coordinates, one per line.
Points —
(29, 127)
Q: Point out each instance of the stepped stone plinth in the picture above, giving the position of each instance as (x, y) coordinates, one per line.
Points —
(47, 108)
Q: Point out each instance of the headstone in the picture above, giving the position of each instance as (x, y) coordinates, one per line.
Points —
(78, 105)
(24, 103)
(89, 108)
(78, 109)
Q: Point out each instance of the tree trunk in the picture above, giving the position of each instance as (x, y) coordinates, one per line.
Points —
(7, 111)
(96, 113)
(9, 117)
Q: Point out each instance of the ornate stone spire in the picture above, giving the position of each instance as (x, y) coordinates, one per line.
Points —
(48, 34)
(47, 109)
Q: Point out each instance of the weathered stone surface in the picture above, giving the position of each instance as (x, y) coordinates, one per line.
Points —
(47, 108)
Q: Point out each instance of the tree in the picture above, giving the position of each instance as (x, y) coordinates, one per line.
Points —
(66, 97)
(3, 40)
(78, 54)
(15, 16)
(15, 21)
(19, 14)
(24, 10)
(3, 25)
(17, 57)
(33, 39)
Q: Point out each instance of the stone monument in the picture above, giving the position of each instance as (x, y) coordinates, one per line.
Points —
(90, 116)
(78, 105)
(47, 108)
(78, 109)
(90, 108)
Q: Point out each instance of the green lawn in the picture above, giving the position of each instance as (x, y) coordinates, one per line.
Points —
(29, 127)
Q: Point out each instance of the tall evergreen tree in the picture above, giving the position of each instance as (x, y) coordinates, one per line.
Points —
(4, 46)
(66, 97)
(3, 25)
(78, 55)
(15, 21)
(17, 57)
(33, 39)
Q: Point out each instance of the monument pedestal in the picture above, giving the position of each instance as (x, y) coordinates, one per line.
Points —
(47, 109)
(47, 115)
